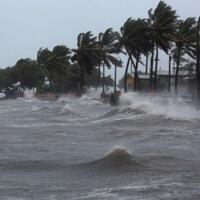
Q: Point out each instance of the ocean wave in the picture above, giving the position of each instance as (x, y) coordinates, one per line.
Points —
(42, 108)
(118, 114)
(117, 158)
(163, 106)
(124, 111)
(67, 99)
(67, 110)
(56, 110)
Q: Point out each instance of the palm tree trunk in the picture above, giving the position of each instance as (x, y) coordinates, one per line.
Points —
(156, 69)
(132, 62)
(147, 61)
(198, 64)
(115, 81)
(151, 70)
(50, 79)
(126, 73)
(98, 76)
(131, 68)
(169, 76)
(136, 73)
(177, 69)
(103, 92)
(82, 80)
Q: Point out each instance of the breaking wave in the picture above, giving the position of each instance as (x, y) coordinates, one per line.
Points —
(117, 158)
(42, 108)
(123, 111)
(66, 110)
(164, 106)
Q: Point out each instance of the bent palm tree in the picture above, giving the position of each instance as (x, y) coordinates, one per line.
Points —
(108, 45)
(54, 61)
(135, 40)
(193, 50)
(162, 21)
(198, 61)
(183, 37)
(86, 55)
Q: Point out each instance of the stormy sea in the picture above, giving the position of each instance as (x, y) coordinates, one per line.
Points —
(146, 148)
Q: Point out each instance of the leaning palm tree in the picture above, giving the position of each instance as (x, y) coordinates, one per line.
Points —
(125, 42)
(54, 61)
(108, 47)
(162, 21)
(45, 60)
(193, 50)
(87, 55)
(135, 40)
(183, 38)
(198, 60)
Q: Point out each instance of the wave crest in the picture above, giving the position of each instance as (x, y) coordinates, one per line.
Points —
(169, 107)
(116, 159)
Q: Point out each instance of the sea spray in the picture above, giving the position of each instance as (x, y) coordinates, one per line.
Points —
(162, 105)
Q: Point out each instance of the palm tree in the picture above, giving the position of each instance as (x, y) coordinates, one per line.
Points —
(169, 73)
(108, 45)
(198, 61)
(86, 55)
(183, 37)
(147, 63)
(54, 61)
(125, 42)
(98, 76)
(135, 40)
(162, 21)
(115, 79)
(194, 52)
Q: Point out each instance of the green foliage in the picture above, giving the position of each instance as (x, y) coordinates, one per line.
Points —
(108, 45)
(87, 54)
(28, 73)
(162, 23)
(185, 34)
(55, 61)
(5, 81)
(183, 37)
(135, 36)
(25, 71)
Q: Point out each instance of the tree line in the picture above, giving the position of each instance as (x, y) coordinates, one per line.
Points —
(163, 30)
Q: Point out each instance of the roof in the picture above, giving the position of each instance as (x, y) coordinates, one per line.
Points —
(159, 73)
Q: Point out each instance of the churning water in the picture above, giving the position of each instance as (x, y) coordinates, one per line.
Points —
(148, 147)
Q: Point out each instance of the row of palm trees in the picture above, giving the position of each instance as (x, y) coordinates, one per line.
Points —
(162, 30)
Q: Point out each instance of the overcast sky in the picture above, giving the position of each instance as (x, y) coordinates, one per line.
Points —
(27, 25)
